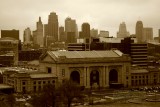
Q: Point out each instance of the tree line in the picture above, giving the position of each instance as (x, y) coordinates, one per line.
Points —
(60, 96)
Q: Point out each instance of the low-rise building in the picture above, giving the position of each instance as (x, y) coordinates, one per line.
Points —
(8, 51)
(26, 80)
(145, 77)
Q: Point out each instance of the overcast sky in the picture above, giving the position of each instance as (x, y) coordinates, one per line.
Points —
(101, 14)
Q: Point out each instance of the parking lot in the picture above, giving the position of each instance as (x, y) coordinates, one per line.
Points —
(139, 97)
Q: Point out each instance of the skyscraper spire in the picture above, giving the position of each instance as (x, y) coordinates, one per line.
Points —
(40, 19)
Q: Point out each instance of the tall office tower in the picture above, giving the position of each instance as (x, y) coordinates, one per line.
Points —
(71, 26)
(122, 33)
(45, 34)
(10, 33)
(53, 26)
(40, 33)
(71, 37)
(103, 33)
(147, 34)
(62, 36)
(80, 35)
(85, 30)
(27, 37)
(34, 37)
(94, 32)
(139, 31)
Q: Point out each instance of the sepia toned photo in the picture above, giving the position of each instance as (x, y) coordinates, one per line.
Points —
(79, 53)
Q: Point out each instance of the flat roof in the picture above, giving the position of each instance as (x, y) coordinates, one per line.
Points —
(34, 62)
(18, 69)
(42, 75)
(136, 71)
(5, 86)
(86, 54)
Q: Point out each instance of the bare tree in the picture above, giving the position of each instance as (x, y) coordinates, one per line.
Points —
(52, 97)
(46, 98)
(70, 90)
(11, 100)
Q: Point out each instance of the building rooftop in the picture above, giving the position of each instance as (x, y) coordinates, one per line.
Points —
(18, 70)
(86, 54)
(34, 62)
(42, 75)
(139, 71)
(5, 86)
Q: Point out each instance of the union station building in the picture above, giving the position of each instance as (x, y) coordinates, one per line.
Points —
(88, 68)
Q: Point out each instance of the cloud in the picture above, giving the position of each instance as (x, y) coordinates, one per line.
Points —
(101, 14)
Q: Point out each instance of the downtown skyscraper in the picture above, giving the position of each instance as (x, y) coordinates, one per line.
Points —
(147, 34)
(71, 30)
(139, 31)
(62, 36)
(94, 32)
(85, 30)
(27, 37)
(53, 27)
(122, 33)
(38, 34)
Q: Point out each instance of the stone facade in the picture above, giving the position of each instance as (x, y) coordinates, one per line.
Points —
(145, 77)
(88, 69)
(24, 81)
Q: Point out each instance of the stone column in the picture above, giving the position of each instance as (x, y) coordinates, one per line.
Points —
(81, 77)
(106, 76)
(84, 77)
(100, 78)
(87, 77)
(122, 78)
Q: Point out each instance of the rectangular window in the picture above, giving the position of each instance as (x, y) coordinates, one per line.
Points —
(147, 81)
(132, 77)
(136, 82)
(49, 70)
(132, 83)
(39, 82)
(139, 82)
(143, 82)
(24, 83)
(53, 81)
(63, 72)
(24, 89)
(127, 69)
(34, 82)
(39, 88)
(34, 88)
(127, 77)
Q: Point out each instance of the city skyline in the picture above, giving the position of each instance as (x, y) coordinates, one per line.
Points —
(101, 15)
